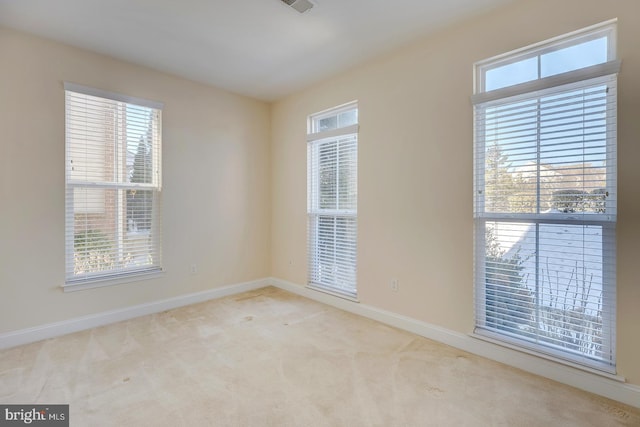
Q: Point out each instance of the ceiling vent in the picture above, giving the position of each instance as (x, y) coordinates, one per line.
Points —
(300, 5)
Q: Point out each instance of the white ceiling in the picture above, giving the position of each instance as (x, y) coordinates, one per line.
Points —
(260, 48)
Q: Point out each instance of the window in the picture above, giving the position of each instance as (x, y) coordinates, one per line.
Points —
(113, 184)
(545, 197)
(332, 164)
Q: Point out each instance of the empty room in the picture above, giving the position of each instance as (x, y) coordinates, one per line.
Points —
(320, 213)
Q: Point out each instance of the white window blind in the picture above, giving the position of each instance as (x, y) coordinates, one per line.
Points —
(113, 186)
(332, 157)
(545, 206)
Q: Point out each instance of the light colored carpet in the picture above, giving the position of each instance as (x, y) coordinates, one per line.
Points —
(269, 358)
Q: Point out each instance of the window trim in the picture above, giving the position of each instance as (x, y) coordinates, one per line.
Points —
(114, 96)
(113, 277)
(100, 281)
(330, 112)
(314, 139)
(583, 77)
(607, 28)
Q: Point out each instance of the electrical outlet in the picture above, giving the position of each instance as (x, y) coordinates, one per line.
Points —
(394, 285)
(194, 269)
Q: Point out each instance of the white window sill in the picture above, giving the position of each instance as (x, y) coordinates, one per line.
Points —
(111, 280)
(604, 371)
(332, 292)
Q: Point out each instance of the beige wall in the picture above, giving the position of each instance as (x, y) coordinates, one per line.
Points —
(216, 191)
(415, 165)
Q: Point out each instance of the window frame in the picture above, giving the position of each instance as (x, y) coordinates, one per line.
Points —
(315, 138)
(604, 29)
(579, 79)
(120, 275)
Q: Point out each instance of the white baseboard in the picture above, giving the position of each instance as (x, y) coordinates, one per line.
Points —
(591, 382)
(610, 386)
(51, 330)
